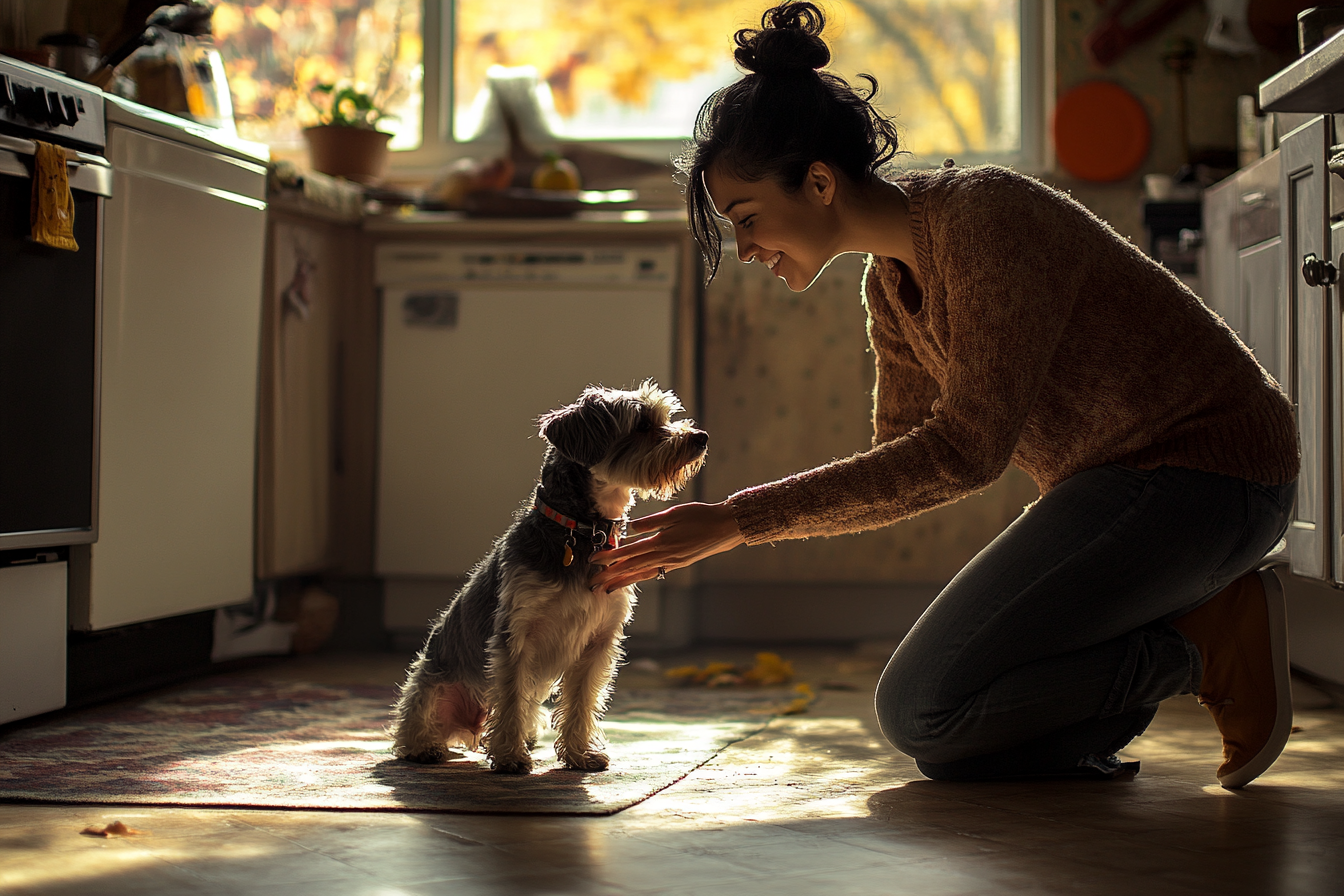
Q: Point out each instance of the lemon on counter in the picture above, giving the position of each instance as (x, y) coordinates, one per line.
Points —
(556, 173)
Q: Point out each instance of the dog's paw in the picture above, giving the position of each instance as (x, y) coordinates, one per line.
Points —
(588, 761)
(426, 757)
(511, 765)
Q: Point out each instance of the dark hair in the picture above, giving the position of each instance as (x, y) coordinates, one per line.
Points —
(780, 117)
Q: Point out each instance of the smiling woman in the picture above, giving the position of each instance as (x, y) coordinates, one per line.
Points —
(1008, 325)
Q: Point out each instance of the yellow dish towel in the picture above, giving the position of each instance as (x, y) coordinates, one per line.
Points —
(53, 208)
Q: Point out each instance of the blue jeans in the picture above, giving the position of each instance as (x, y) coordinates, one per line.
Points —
(1054, 641)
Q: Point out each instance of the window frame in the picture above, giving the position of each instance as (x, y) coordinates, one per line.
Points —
(438, 148)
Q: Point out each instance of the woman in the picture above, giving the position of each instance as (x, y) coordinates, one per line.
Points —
(1009, 325)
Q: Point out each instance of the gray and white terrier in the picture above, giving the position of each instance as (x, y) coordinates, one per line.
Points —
(526, 622)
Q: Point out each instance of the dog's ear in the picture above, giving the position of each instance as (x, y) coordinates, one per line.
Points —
(582, 431)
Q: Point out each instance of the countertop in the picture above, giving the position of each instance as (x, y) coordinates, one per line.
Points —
(1314, 83)
(121, 111)
(656, 222)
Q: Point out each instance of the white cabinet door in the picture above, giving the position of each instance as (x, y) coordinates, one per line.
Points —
(1336, 367)
(1218, 269)
(1305, 231)
(1260, 272)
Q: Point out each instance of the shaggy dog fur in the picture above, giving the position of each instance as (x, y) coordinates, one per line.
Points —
(526, 622)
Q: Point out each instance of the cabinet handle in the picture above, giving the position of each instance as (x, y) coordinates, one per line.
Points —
(1317, 271)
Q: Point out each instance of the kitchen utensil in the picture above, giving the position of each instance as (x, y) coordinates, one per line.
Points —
(1101, 131)
(1110, 40)
(76, 54)
(191, 19)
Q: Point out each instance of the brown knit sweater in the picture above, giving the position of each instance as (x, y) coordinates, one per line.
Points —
(1042, 338)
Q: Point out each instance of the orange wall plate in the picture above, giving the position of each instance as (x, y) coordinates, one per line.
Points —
(1101, 131)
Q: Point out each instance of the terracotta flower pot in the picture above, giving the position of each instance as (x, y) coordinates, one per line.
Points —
(357, 154)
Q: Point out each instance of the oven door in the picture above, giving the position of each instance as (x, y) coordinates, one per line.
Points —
(49, 355)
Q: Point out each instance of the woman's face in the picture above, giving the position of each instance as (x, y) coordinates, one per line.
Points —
(793, 234)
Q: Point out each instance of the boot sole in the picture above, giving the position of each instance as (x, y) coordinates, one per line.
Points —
(1277, 608)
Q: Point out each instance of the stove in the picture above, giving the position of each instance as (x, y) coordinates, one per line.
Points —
(43, 105)
(50, 312)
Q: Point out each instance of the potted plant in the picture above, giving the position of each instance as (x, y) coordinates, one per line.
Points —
(346, 142)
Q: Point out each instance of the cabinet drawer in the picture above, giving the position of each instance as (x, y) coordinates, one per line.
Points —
(1258, 199)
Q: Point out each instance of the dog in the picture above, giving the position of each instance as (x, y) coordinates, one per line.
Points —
(525, 623)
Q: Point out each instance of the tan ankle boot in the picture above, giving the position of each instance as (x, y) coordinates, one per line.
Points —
(1242, 637)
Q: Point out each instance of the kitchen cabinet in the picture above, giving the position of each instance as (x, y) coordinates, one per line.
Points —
(1335, 389)
(1218, 267)
(1260, 285)
(1309, 273)
(310, 265)
(1243, 259)
(1273, 259)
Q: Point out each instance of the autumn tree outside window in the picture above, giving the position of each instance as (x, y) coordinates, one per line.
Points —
(951, 71)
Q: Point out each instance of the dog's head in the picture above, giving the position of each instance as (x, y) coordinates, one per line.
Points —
(627, 438)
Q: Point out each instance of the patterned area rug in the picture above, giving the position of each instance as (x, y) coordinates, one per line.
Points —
(249, 743)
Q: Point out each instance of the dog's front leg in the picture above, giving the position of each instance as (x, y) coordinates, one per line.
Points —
(513, 707)
(584, 689)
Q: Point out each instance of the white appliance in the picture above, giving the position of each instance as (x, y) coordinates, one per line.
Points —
(478, 341)
(184, 250)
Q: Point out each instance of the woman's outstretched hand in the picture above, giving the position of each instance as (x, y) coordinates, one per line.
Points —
(680, 536)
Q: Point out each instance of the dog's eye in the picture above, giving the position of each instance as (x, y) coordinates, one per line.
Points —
(644, 425)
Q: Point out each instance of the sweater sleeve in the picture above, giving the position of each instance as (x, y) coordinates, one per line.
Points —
(1004, 293)
(904, 394)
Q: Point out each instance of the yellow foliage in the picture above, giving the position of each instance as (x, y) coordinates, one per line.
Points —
(939, 62)
(769, 669)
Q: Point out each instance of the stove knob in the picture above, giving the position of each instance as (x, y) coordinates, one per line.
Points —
(55, 117)
(71, 110)
(55, 110)
(31, 102)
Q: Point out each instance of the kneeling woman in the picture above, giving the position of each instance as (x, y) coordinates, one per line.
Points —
(1010, 325)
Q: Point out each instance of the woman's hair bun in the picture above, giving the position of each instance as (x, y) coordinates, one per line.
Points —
(789, 40)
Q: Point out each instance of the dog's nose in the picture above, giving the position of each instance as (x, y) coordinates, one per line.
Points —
(700, 438)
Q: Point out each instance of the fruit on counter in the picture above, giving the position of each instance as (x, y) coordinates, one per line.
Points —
(470, 176)
(556, 173)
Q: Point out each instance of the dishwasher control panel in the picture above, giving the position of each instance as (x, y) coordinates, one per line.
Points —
(512, 264)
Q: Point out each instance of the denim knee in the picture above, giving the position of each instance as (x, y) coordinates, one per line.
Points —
(900, 714)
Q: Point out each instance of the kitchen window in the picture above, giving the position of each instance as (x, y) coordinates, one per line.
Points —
(964, 78)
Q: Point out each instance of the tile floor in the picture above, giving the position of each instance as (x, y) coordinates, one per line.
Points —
(815, 803)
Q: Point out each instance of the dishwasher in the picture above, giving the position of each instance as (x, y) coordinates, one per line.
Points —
(183, 252)
(478, 341)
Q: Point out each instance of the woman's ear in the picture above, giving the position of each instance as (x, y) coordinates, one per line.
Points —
(821, 182)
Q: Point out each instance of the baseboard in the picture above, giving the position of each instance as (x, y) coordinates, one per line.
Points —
(1315, 627)
(116, 662)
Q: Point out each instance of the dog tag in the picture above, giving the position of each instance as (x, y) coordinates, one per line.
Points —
(569, 556)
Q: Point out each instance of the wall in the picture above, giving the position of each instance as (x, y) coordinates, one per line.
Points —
(40, 17)
(1212, 88)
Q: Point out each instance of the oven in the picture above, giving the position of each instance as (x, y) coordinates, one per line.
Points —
(50, 307)
(49, 315)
